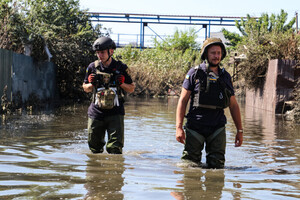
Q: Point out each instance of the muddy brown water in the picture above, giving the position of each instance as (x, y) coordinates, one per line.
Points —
(45, 156)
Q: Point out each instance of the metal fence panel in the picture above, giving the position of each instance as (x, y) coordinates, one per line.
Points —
(33, 77)
(5, 71)
(25, 76)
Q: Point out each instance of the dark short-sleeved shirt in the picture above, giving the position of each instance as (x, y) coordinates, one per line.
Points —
(115, 68)
(198, 117)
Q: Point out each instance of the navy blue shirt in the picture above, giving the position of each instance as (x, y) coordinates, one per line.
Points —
(198, 117)
(115, 68)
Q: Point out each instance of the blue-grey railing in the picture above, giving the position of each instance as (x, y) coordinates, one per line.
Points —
(145, 19)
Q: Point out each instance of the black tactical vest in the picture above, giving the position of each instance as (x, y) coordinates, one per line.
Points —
(212, 92)
(106, 82)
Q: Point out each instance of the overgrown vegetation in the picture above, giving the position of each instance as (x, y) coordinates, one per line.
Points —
(263, 39)
(161, 69)
(58, 25)
(65, 30)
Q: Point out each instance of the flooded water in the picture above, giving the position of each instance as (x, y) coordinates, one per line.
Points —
(46, 156)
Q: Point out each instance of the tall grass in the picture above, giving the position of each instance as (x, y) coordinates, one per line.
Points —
(161, 69)
(156, 72)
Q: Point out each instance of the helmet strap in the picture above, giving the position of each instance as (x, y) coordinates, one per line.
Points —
(109, 56)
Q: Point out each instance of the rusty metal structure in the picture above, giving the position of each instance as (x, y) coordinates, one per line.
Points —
(276, 96)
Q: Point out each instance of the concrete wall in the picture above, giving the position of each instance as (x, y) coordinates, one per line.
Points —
(29, 77)
(280, 80)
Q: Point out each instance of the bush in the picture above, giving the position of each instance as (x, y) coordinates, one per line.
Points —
(271, 46)
(155, 71)
(163, 68)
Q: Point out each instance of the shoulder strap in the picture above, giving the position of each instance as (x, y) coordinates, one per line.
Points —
(97, 63)
(199, 74)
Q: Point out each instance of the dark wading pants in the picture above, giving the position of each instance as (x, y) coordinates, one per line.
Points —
(215, 141)
(114, 125)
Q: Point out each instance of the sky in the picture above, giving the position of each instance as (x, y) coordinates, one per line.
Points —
(236, 8)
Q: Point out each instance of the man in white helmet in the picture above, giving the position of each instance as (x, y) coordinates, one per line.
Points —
(209, 89)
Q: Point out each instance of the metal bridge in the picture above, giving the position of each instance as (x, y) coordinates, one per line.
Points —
(146, 19)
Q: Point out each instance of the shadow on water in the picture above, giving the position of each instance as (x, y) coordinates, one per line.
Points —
(46, 156)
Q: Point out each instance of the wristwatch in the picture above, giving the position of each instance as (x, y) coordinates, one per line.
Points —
(241, 131)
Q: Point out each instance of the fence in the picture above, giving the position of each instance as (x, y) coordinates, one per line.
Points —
(24, 76)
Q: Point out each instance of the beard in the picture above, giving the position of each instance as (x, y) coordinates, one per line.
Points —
(213, 65)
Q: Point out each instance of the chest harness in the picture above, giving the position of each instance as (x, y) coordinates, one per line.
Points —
(212, 91)
(108, 94)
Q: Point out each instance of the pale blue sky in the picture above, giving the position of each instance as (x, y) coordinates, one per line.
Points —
(235, 8)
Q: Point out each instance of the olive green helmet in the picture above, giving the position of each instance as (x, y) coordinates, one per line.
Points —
(212, 41)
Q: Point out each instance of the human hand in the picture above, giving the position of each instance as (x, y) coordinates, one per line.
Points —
(180, 135)
(120, 79)
(92, 78)
(238, 139)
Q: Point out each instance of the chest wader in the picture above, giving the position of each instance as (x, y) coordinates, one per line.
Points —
(215, 145)
(212, 94)
(114, 126)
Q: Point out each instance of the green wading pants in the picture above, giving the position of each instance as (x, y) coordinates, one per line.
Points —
(114, 125)
(215, 144)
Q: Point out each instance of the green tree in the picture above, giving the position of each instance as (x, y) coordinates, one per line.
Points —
(252, 28)
(265, 38)
(60, 26)
(158, 70)
(181, 40)
(66, 30)
(12, 27)
(233, 38)
(255, 29)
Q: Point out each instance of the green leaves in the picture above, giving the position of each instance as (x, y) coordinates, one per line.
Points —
(233, 38)
(263, 38)
(58, 24)
(255, 27)
(181, 40)
(157, 70)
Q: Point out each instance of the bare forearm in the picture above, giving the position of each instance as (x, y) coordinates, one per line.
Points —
(236, 116)
(181, 108)
(235, 113)
(180, 112)
(128, 87)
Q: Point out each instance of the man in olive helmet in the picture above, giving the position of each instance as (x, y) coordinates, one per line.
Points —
(210, 89)
(108, 80)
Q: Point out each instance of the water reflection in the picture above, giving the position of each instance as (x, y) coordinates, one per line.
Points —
(46, 156)
(200, 184)
(104, 178)
(272, 139)
(262, 122)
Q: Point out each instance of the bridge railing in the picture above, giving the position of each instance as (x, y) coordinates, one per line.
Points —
(146, 19)
(124, 39)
